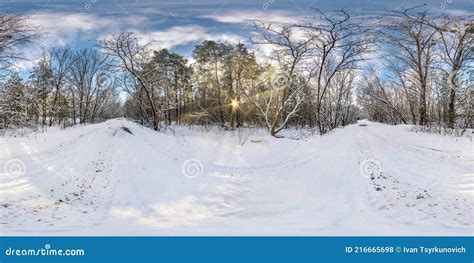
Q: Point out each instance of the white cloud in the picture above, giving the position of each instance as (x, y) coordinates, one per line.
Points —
(244, 17)
(457, 12)
(183, 35)
(71, 21)
(63, 28)
(60, 29)
(178, 35)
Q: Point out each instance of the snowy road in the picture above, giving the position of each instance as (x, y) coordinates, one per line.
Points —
(364, 179)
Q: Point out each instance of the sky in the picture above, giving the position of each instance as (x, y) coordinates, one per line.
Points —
(180, 25)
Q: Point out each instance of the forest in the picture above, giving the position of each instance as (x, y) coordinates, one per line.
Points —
(329, 70)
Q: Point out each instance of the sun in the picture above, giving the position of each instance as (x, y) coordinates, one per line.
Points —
(234, 103)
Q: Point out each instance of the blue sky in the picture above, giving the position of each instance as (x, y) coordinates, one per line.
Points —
(180, 25)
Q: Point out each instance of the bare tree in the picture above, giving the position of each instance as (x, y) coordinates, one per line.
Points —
(338, 103)
(60, 60)
(15, 32)
(90, 74)
(133, 57)
(283, 98)
(411, 43)
(456, 40)
(340, 44)
(381, 100)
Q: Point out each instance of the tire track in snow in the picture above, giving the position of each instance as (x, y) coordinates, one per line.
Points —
(407, 202)
(68, 198)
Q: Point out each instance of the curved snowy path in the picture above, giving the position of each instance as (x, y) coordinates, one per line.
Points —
(106, 180)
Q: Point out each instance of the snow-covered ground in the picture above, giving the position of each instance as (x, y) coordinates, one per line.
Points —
(364, 179)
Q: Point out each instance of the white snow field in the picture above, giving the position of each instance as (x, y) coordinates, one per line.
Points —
(364, 179)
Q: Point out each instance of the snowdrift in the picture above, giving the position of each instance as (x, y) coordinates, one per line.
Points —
(118, 178)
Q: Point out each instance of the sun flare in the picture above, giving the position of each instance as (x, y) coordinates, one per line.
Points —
(234, 103)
